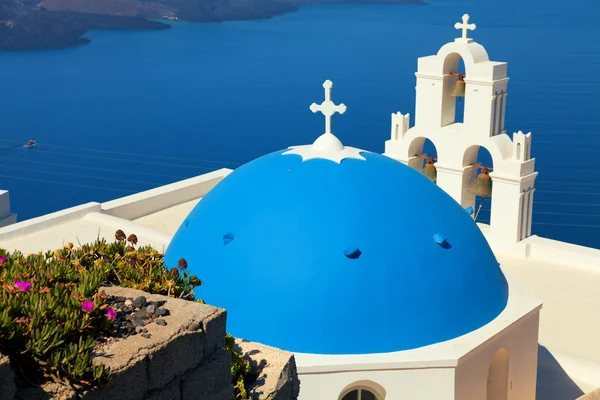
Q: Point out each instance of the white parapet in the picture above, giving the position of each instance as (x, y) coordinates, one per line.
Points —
(6, 217)
(150, 201)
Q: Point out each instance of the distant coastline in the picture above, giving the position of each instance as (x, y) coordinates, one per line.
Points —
(25, 25)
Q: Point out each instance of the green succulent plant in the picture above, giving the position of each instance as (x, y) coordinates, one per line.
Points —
(52, 316)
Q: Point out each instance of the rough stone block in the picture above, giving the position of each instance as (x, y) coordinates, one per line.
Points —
(53, 391)
(181, 354)
(7, 378)
(225, 394)
(593, 395)
(140, 364)
(179, 346)
(127, 360)
(214, 327)
(170, 392)
(153, 368)
(210, 381)
(276, 370)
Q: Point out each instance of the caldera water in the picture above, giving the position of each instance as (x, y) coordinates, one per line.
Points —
(136, 110)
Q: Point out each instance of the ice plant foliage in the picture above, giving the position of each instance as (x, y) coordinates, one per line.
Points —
(52, 315)
(240, 369)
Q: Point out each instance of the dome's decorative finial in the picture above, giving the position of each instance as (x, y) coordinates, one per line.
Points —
(327, 107)
(327, 146)
(465, 26)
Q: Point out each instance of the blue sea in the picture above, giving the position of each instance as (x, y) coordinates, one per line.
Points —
(136, 110)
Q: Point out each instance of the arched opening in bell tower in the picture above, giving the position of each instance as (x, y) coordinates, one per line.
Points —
(478, 182)
(454, 96)
(423, 156)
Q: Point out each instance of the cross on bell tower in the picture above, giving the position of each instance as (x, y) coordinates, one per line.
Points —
(465, 26)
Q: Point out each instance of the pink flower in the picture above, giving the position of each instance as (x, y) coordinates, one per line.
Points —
(2, 259)
(23, 286)
(87, 306)
(111, 313)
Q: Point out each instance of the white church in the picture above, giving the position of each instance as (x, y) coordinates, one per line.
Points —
(379, 294)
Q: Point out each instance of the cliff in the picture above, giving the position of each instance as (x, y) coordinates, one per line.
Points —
(30, 24)
(40, 28)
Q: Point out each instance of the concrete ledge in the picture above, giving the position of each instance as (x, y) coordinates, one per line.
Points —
(47, 221)
(11, 219)
(540, 248)
(4, 204)
(152, 235)
(554, 251)
(154, 200)
(276, 369)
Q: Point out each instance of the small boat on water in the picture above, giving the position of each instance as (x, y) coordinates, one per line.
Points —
(31, 143)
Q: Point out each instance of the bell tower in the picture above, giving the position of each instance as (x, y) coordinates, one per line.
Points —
(485, 86)
(458, 143)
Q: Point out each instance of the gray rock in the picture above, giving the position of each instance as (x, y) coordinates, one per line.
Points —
(141, 314)
(161, 322)
(140, 302)
(151, 309)
(161, 312)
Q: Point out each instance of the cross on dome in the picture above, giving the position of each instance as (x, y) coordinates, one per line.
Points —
(465, 26)
(327, 107)
(327, 146)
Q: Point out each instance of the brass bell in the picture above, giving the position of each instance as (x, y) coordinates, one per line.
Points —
(459, 88)
(429, 170)
(483, 184)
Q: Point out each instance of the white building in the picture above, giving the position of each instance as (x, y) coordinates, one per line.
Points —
(381, 295)
(6, 217)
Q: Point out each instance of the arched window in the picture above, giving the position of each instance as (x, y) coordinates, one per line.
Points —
(360, 394)
(363, 390)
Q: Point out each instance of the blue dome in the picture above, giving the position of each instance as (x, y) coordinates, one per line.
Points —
(319, 257)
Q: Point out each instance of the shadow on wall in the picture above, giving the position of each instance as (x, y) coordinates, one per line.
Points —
(552, 380)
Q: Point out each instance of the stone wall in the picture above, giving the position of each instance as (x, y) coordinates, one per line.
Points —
(180, 360)
(277, 378)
